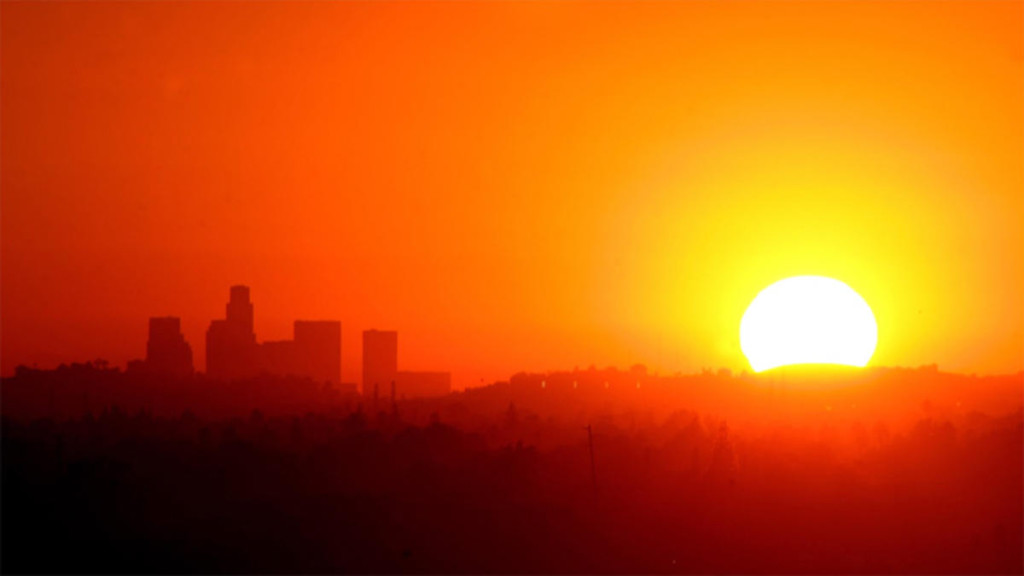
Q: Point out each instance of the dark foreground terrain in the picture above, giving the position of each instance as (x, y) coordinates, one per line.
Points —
(453, 486)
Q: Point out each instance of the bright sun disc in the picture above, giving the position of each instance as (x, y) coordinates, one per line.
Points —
(808, 320)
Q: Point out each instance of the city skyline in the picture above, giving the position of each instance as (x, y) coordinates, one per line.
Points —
(275, 356)
(584, 183)
(314, 352)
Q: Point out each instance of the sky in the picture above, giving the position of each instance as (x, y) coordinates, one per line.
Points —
(511, 185)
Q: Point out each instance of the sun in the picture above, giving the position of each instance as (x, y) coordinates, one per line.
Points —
(808, 320)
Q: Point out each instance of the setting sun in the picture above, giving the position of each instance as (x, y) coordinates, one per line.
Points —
(678, 287)
(808, 320)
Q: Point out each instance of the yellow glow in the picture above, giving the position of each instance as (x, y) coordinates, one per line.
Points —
(808, 320)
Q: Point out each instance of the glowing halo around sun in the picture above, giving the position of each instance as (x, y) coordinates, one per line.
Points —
(808, 320)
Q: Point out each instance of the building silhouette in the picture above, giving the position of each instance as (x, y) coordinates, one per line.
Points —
(232, 351)
(315, 352)
(167, 352)
(422, 384)
(380, 359)
(381, 374)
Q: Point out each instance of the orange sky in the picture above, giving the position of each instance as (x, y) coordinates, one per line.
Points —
(511, 185)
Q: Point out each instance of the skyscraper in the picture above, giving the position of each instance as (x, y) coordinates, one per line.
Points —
(239, 309)
(231, 343)
(380, 359)
(167, 351)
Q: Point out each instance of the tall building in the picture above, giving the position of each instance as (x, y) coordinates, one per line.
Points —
(231, 350)
(380, 359)
(167, 352)
(239, 309)
(318, 349)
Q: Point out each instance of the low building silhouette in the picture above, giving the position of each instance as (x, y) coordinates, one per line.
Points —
(381, 374)
(422, 384)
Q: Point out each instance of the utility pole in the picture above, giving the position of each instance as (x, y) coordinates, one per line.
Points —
(593, 469)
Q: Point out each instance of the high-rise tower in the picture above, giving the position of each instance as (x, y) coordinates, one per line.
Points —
(380, 359)
(239, 309)
(231, 343)
(167, 351)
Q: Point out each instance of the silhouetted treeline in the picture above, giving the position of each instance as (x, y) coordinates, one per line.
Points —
(499, 479)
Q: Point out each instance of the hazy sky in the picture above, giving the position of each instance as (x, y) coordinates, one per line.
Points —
(511, 185)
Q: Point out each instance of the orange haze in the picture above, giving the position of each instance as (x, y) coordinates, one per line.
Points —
(512, 185)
